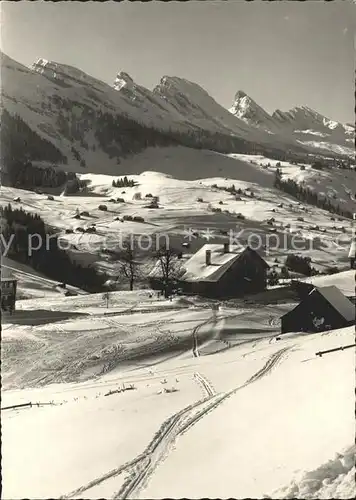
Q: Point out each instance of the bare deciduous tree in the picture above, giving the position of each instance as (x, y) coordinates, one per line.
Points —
(168, 267)
(129, 266)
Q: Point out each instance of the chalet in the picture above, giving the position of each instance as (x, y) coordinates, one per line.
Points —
(222, 271)
(8, 290)
(324, 308)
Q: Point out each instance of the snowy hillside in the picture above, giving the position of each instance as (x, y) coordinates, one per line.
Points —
(191, 186)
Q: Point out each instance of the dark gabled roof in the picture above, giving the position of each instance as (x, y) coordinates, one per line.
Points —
(337, 300)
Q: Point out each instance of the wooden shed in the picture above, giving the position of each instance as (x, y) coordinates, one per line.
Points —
(324, 308)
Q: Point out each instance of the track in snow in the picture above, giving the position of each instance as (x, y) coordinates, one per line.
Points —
(143, 466)
(134, 484)
(207, 386)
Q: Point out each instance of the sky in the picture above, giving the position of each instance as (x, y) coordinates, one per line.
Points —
(282, 54)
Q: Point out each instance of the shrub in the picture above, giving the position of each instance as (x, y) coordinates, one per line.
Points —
(200, 200)
(273, 278)
(332, 270)
(102, 207)
(137, 218)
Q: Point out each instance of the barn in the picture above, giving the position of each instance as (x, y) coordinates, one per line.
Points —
(8, 290)
(324, 308)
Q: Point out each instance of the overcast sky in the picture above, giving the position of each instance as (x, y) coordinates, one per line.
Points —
(281, 53)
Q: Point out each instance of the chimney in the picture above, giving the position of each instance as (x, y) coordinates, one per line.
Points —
(208, 257)
(226, 247)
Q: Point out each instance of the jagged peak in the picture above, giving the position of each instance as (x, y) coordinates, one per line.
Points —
(179, 85)
(123, 79)
(245, 108)
(240, 94)
(45, 66)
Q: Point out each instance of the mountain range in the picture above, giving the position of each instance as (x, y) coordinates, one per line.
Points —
(60, 114)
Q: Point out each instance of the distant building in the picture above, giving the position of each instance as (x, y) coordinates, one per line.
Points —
(352, 253)
(324, 308)
(8, 290)
(221, 271)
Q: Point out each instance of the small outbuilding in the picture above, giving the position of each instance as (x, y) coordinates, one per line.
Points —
(324, 308)
(8, 290)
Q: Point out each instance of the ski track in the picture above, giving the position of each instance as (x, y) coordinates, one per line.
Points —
(143, 466)
(206, 385)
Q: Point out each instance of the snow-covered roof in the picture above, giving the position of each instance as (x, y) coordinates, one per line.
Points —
(338, 300)
(196, 268)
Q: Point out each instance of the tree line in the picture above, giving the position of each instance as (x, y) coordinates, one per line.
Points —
(308, 196)
(19, 143)
(48, 258)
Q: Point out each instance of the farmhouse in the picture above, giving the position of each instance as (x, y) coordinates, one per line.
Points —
(222, 271)
(8, 290)
(324, 308)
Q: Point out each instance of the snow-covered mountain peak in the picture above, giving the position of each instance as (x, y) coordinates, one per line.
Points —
(65, 75)
(123, 80)
(240, 94)
(303, 116)
(245, 108)
(53, 69)
(174, 85)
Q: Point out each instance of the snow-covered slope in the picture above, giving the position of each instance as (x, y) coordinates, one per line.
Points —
(228, 412)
